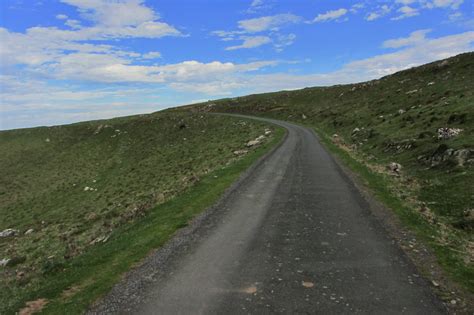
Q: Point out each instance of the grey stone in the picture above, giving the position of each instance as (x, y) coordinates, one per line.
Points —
(9, 232)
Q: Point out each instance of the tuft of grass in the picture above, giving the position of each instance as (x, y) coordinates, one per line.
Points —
(153, 174)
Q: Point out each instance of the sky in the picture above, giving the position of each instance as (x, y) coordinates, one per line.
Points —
(66, 61)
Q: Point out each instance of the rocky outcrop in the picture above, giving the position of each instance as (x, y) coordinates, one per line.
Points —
(399, 146)
(11, 262)
(240, 152)
(469, 215)
(9, 233)
(448, 133)
(463, 156)
(4, 262)
(29, 231)
(252, 143)
(443, 154)
(467, 220)
(255, 142)
(394, 167)
(100, 239)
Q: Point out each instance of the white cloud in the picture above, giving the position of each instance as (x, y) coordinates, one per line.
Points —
(266, 23)
(269, 24)
(73, 23)
(64, 54)
(356, 7)
(279, 41)
(406, 12)
(373, 16)
(416, 53)
(405, 2)
(194, 70)
(22, 99)
(31, 91)
(97, 67)
(411, 8)
(40, 45)
(109, 69)
(283, 41)
(219, 78)
(152, 55)
(415, 38)
(114, 13)
(380, 12)
(456, 16)
(228, 35)
(251, 42)
(330, 15)
(256, 3)
(116, 19)
(61, 17)
(150, 29)
(453, 4)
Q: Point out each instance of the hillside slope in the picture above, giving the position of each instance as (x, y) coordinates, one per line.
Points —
(414, 129)
(70, 194)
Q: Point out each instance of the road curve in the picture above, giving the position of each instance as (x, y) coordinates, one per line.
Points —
(295, 236)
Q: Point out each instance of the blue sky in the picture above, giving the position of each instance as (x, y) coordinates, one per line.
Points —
(72, 60)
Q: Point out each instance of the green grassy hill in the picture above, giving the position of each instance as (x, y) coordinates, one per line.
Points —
(398, 119)
(81, 188)
(89, 200)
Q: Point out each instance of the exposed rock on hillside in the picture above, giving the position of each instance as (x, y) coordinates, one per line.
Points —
(399, 146)
(252, 143)
(240, 152)
(394, 167)
(4, 262)
(447, 133)
(255, 142)
(461, 157)
(100, 128)
(29, 231)
(9, 233)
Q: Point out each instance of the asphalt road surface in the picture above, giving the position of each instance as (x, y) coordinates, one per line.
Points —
(295, 237)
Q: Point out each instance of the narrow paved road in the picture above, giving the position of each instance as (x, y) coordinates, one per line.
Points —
(295, 237)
